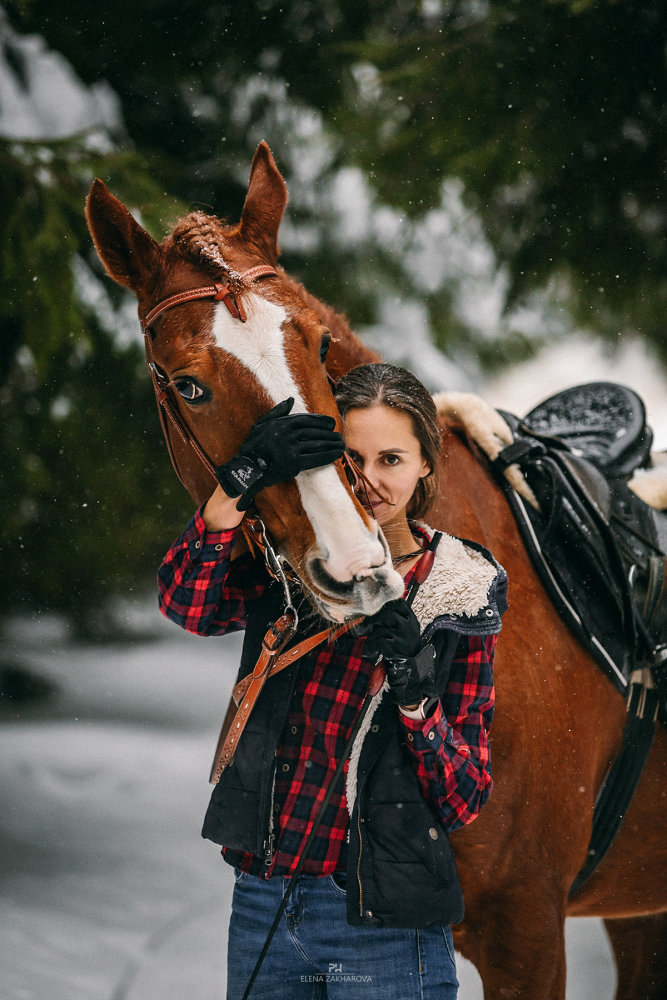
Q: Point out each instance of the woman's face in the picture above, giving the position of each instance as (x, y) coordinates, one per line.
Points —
(382, 442)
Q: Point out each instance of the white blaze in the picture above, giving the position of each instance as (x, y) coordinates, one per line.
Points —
(347, 546)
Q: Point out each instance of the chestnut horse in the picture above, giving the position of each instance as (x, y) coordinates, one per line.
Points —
(558, 722)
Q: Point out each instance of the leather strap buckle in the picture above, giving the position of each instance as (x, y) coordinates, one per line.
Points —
(280, 632)
(223, 293)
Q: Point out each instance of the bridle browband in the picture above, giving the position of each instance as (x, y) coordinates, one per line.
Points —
(219, 292)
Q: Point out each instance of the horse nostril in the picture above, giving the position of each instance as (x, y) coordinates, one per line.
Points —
(323, 579)
(359, 577)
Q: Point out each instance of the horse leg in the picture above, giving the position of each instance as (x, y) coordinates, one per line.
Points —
(638, 944)
(516, 941)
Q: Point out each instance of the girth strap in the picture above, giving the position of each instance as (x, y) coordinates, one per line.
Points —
(618, 788)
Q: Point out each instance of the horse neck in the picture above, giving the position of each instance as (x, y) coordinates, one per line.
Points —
(347, 350)
(470, 504)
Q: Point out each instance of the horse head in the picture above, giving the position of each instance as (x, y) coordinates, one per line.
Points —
(228, 336)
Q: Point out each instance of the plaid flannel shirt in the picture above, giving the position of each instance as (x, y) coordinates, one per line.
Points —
(206, 592)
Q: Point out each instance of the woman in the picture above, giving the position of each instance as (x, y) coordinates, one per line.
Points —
(369, 917)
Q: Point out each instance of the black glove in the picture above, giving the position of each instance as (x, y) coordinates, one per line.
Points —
(393, 633)
(279, 446)
(412, 680)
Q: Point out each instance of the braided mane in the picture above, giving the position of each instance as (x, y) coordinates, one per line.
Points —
(198, 238)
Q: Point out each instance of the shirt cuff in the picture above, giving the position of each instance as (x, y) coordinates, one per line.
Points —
(422, 734)
(210, 546)
(434, 733)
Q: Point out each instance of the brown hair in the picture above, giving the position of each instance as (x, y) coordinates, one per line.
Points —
(389, 385)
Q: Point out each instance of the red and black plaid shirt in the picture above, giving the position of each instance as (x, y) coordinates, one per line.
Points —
(205, 592)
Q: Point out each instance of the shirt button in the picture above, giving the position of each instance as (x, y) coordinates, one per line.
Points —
(197, 544)
(431, 735)
(218, 546)
(285, 767)
(411, 737)
(293, 730)
(433, 833)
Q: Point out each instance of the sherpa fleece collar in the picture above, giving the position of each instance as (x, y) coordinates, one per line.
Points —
(459, 583)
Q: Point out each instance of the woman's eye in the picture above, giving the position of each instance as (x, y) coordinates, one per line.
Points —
(391, 459)
(191, 391)
(324, 346)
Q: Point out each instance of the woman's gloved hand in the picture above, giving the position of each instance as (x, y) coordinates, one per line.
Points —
(393, 633)
(279, 446)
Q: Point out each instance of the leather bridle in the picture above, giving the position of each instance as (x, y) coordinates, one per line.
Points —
(229, 293)
(226, 293)
(170, 417)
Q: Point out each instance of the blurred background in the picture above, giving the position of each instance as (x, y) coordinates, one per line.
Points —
(479, 185)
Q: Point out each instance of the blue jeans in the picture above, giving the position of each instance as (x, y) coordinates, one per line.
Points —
(315, 954)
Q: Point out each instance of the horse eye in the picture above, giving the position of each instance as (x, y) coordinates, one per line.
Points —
(324, 346)
(191, 391)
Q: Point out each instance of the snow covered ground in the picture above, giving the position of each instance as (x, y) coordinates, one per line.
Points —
(107, 891)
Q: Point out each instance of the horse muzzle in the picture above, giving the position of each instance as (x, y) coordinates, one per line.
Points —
(363, 589)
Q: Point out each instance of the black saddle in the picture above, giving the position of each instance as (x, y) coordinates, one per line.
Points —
(602, 422)
(600, 552)
(599, 549)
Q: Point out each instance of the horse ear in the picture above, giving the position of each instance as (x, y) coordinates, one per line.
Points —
(264, 203)
(128, 253)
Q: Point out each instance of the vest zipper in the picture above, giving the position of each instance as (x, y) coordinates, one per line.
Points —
(361, 892)
(268, 849)
(269, 843)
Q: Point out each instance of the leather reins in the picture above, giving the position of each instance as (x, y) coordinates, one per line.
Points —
(375, 682)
